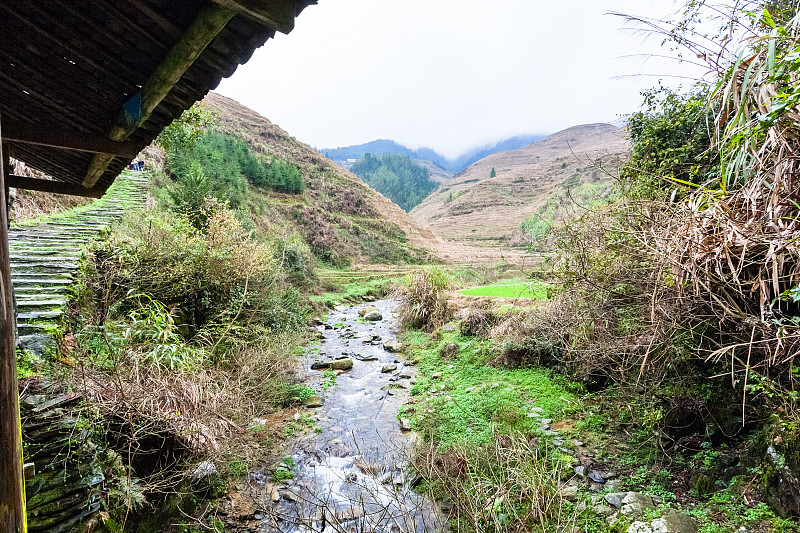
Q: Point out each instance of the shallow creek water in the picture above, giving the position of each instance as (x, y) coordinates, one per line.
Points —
(351, 475)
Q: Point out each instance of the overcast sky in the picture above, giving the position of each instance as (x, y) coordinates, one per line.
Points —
(452, 74)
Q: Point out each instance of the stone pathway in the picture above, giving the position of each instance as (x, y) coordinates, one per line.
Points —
(45, 255)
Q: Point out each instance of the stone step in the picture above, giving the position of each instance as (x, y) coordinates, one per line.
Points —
(55, 284)
(23, 328)
(25, 279)
(37, 303)
(39, 315)
(33, 267)
(45, 258)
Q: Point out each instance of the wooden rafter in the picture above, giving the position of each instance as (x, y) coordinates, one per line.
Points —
(69, 140)
(278, 14)
(52, 186)
(209, 22)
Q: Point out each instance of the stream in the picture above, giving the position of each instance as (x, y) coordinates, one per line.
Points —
(351, 474)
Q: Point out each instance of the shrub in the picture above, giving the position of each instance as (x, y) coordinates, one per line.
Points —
(217, 276)
(294, 257)
(478, 323)
(189, 195)
(423, 298)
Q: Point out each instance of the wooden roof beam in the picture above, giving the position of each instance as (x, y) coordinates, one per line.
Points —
(277, 14)
(67, 139)
(52, 186)
(211, 20)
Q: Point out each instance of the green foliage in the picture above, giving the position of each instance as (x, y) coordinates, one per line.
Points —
(572, 202)
(206, 279)
(190, 193)
(397, 177)
(294, 257)
(670, 144)
(513, 288)
(228, 164)
(451, 196)
(152, 331)
(472, 400)
(328, 379)
(281, 176)
(299, 392)
(493, 173)
(185, 130)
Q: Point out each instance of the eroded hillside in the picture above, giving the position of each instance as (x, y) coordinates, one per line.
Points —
(475, 207)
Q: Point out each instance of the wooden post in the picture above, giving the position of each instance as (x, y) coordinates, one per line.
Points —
(12, 480)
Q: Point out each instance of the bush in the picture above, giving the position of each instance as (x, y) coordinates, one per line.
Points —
(219, 276)
(423, 299)
(294, 257)
(478, 323)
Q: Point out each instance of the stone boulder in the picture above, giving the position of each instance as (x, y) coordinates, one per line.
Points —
(373, 316)
(313, 401)
(338, 364)
(393, 346)
(364, 311)
(631, 504)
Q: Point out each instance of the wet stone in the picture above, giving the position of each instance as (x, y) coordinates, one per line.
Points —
(393, 346)
(338, 364)
(366, 310)
(374, 316)
(388, 368)
(313, 401)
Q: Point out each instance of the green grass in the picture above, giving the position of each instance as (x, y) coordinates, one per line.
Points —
(472, 400)
(512, 288)
(352, 287)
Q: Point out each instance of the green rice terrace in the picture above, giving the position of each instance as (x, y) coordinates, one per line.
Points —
(512, 288)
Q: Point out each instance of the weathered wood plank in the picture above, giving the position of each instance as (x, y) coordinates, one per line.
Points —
(12, 484)
(278, 14)
(56, 187)
(70, 140)
(205, 27)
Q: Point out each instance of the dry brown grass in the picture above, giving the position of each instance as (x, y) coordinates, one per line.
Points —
(423, 298)
(507, 486)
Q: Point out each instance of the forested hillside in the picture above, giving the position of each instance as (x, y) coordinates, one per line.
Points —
(397, 177)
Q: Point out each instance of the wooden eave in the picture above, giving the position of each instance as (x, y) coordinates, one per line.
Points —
(71, 72)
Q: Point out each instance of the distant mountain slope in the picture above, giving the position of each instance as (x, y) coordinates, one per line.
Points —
(397, 177)
(347, 155)
(337, 214)
(472, 206)
(435, 172)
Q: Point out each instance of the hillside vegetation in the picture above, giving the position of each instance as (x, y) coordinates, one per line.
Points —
(341, 219)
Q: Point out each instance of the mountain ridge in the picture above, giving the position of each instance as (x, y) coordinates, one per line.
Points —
(473, 207)
(454, 165)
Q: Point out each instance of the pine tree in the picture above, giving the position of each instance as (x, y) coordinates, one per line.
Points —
(492, 174)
